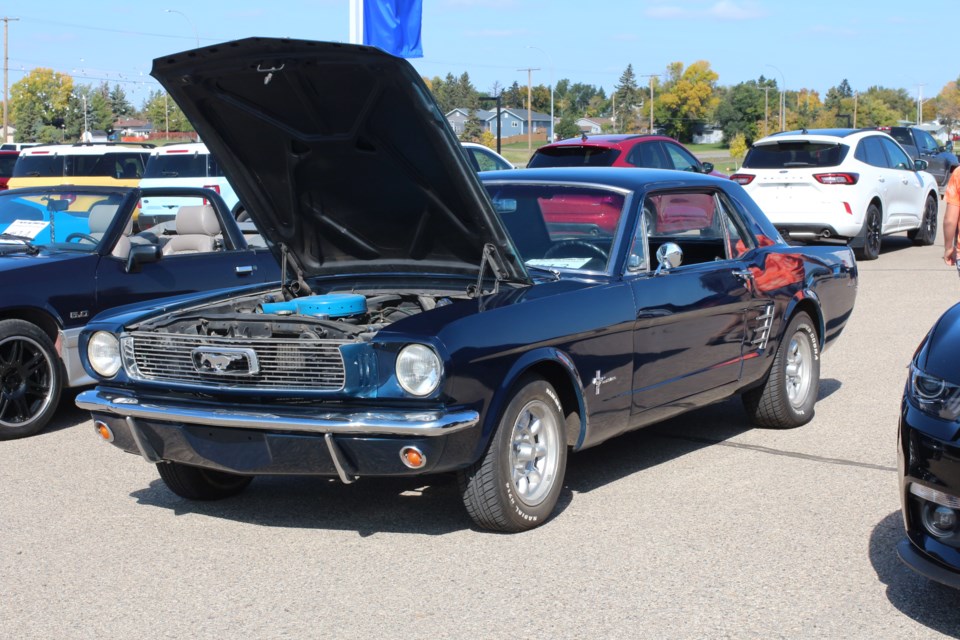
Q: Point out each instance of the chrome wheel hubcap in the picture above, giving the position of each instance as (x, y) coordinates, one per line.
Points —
(798, 372)
(534, 452)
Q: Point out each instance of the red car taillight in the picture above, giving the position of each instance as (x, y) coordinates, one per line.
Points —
(742, 178)
(214, 187)
(836, 178)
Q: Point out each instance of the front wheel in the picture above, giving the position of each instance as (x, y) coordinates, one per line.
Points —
(30, 379)
(926, 234)
(195, 483)
(787, 397)
(516, 484)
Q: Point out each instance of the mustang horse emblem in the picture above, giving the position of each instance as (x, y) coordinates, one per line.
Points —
(225, 361)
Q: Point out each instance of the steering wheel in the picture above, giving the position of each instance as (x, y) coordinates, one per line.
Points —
(559, 248)
(81, 236)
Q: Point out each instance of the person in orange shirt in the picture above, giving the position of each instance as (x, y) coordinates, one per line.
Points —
(950, 218)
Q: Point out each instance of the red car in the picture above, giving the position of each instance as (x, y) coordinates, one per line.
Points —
(7, 160)
(621, 150)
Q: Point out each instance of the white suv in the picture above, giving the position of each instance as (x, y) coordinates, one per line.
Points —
(182, 165)
(849, 185)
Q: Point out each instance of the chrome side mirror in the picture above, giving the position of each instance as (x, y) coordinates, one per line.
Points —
(669, 256)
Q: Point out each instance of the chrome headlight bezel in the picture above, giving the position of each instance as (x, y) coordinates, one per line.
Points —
(934, 395)
(103, 354)
(419, 369)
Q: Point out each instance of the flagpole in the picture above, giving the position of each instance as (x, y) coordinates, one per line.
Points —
(356, 21)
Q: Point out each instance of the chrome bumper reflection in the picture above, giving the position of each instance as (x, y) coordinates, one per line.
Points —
(301, 419)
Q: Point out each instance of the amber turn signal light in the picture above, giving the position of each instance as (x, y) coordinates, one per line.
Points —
(103, 430)
(413, 457)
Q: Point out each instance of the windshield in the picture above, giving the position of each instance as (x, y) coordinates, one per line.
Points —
(41, 166)
(561, 227)
(75, 220)
(784, 155)
(578, 156)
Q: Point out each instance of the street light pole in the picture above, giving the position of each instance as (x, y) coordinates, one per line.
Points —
(552, 139)
(783, 98)
(196, 34)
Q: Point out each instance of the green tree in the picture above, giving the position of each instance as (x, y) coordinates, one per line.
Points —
(567, 127)
(472, 128)
(741, 112)
(164, 113)
(38, 103)
(119, 104)
(515, 97)
(628, 100)
(948, 103)
(687, 99)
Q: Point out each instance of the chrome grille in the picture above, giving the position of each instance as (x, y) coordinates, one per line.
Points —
(312, 365)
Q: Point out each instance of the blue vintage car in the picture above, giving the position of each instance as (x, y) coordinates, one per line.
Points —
(430, 322)
(67, 253)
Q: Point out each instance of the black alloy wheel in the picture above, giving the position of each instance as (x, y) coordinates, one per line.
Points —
(872, 234)
(30, 379)
(926, 234)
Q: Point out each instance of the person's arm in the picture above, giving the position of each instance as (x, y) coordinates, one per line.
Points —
(950, 218)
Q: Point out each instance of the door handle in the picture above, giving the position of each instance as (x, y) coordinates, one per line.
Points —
(745, 275)
(245, 270)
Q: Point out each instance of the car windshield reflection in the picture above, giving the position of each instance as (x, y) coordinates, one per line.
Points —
(560, 227)
(64, 220)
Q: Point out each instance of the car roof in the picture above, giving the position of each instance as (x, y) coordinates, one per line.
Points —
(181, 147)
(82, 149)
(607, 140)
(631, 179)
(822, 135)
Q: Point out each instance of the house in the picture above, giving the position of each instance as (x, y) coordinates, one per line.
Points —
(707, 134)
(513, 122)
(133, 128)
(593, 126)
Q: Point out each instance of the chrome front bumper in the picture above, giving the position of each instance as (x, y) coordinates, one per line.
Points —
(301, 419)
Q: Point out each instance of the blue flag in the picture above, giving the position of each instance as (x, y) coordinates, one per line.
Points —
(394, 26)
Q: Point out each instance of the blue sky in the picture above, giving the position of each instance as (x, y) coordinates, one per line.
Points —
(810, 44)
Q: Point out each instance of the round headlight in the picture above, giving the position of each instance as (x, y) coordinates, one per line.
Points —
(103, 351)
(418, 369)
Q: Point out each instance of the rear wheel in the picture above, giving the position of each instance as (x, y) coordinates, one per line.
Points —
(516, 484)
(195, 483)
(872, 234)
(926, 233)
(788, 396)
(30, 379)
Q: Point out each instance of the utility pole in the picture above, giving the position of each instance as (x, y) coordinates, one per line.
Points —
(856, 94)
(651, 76)
(920, 103)
(766, 108)
(529, 108)
(6, 96)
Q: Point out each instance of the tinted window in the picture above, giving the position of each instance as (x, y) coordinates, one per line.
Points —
(177, 165)
(486, 161)
(649, 155)
(38, 167)
(871, 152)
(682, 160)
(927, 143)
(124, 166)
(898, 157)
(6, 165)
(795, 154)
(573, 157)
(901, 135)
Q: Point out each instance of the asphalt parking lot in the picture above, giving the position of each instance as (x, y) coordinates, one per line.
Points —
(698, 528)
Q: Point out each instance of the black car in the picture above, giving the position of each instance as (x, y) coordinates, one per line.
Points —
(70, 252)
(929, 454)
(940, 159)
(435, 321)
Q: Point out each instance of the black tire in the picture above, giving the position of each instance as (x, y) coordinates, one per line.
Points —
(788, 396)
(31, 379)
(512, 488)
(872, 234)
(195, 483)
(926, 234)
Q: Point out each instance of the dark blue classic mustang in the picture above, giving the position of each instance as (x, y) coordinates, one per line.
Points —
(67, 253)
(428, 322)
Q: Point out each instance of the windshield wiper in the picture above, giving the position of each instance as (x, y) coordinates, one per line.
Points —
(31, 249)
(547, 270)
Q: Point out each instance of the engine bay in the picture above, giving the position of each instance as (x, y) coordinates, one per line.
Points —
(336, 316)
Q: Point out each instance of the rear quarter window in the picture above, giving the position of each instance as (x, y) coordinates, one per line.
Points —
(38, 167)
(784, 155)
(574, 157)
(123, 166)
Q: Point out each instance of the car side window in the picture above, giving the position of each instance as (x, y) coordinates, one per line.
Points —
(871, 152)
(898, 157)
(682, 161)
(927, 143)
(647, 154)
(487, 161)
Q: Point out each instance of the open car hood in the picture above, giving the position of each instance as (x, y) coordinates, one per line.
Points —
(339, 153)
